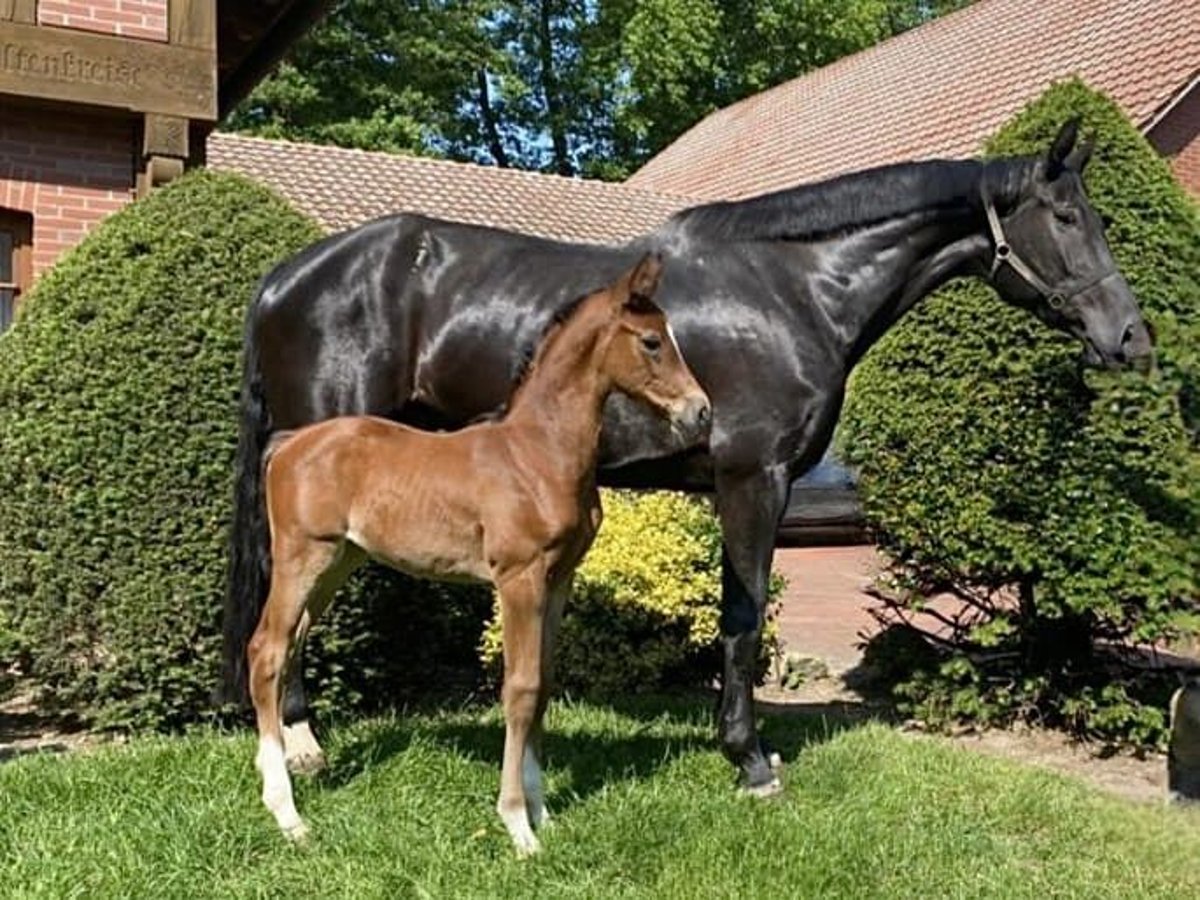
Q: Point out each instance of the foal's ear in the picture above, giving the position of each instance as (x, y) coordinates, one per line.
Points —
(1056, 158)
(643, 280)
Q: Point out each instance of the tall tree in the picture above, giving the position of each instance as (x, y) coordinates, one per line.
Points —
(570, 86)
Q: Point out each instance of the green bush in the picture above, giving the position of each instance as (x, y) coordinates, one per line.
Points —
(1061, 504)
(118, 399)
(646, 601)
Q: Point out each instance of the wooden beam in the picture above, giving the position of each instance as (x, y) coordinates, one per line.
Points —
(101, 70)
(18, 11)
(287, 28)
(165, 136)
(192, 23)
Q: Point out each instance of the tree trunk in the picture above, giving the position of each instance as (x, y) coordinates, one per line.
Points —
(488, 115)
(558, 136)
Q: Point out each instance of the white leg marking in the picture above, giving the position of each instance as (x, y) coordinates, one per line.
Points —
(277, 788)
(516, 822)
(535, 797)
(304, 754)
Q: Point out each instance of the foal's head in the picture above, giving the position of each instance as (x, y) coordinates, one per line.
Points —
(642, 359)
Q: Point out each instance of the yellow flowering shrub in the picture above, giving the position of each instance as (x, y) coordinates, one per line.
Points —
(646, 601)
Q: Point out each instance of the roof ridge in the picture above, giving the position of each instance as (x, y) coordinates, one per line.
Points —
(404, 159)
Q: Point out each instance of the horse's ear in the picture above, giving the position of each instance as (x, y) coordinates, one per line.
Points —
(643, 280)
(1077, 159)
(1056, 158)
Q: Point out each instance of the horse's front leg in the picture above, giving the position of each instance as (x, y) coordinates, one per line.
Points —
(749, 505)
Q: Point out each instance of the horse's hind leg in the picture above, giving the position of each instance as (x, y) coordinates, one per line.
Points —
(298, 569)
(522, 609)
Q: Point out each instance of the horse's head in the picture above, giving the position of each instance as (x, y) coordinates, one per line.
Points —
(1051, 258)
(642, 358)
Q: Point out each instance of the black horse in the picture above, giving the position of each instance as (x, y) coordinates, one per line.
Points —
(773, 299)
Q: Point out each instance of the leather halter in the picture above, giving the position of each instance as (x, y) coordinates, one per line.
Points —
(1056, 297)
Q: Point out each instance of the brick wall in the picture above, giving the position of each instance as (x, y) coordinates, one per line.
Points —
(131, 18)
(69, 171)
(1177, 137)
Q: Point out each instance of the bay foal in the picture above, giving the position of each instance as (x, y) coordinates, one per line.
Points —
(512, 502)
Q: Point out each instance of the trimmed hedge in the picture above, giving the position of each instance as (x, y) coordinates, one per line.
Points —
(118, 399)
(118, 412)
(1062, 504)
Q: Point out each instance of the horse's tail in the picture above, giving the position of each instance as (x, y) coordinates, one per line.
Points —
(249, 571)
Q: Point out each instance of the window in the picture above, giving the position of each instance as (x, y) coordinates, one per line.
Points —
(14, 262)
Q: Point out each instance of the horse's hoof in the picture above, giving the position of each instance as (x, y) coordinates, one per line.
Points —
(767, 789)
(775, 761)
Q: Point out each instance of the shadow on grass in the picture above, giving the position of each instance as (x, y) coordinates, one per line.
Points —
(596, 759)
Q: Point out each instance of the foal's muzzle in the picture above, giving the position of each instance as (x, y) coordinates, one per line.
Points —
(693, 419)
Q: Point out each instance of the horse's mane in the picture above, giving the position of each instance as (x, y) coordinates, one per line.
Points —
(846, 203)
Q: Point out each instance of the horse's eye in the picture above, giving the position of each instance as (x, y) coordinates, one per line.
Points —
(652, 343)
(1066, 216)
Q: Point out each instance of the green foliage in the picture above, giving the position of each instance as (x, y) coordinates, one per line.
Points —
(645, 606)
(561, 85)
(118, 398)
(1062, 504)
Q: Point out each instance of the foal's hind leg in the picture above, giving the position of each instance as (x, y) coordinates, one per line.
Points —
(522, 609)
(298, 569)
(300, 747)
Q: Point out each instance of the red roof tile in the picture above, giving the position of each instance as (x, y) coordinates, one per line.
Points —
(936, 91)
(341, 188)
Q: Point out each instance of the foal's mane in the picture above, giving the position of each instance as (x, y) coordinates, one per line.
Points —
(529, 355)
(848, 202)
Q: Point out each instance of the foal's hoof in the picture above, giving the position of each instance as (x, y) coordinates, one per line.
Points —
(527, 848)
(307, 764)
(303, 753)
(299, 835)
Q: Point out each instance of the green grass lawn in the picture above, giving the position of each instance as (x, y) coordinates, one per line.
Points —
(644, 808)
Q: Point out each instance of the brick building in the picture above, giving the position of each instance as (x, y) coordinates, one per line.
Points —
(101, 99)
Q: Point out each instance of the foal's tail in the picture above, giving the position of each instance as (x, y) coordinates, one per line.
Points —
(249, 548)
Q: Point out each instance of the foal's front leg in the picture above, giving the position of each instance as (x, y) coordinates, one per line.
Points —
(523, 601)
(535, 793)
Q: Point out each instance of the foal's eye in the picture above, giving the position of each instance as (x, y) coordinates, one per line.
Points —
(1066, 216)
(652, 343)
